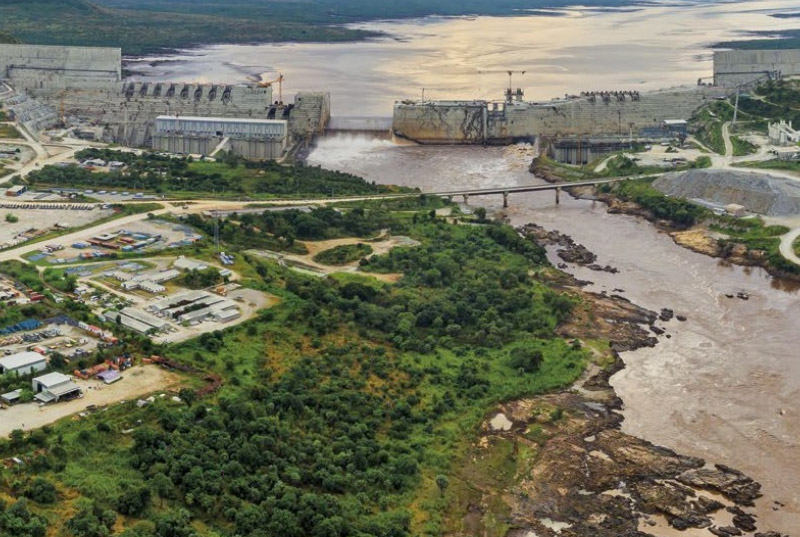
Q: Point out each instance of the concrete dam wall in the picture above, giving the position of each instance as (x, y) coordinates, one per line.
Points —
(46, 70)
(475, 122)
(733, 68)
(85, 83)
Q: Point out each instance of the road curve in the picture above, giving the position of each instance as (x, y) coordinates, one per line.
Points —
(787, 246)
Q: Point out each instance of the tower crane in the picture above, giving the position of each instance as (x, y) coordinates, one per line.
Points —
(261, 83)
(510, 73)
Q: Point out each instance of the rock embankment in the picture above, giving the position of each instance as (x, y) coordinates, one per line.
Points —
(758, 192)
(558, 465)
(569, 250)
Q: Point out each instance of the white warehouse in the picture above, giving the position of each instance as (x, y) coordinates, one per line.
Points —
(247, 137)
(22, 363)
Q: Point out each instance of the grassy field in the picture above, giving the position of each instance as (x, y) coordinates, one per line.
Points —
(788, 165)
(342, 255)
(742, 147)
(233, 178)
(618, 166)
(9, 131)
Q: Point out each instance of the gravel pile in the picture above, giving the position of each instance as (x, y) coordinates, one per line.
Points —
(758, 192)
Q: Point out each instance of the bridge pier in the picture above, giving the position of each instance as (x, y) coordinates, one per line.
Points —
(466, 199)
(558, 195)
(505, 200)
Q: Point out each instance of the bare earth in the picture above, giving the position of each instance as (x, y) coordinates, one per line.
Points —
(136, 382)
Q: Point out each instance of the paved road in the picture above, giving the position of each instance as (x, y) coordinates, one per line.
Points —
(787, 246)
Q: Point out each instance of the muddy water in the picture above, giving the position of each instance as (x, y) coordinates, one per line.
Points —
(725, 386)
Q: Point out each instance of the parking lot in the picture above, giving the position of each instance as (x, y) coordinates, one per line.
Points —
(63, 339)
(31, 224)
(139, 236)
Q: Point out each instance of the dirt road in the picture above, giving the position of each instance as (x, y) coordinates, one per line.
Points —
(136, 382)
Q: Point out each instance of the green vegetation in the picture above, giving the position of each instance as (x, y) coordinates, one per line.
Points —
(9, 131)
(7, 39)
(787, 39)
(201, 279)
(677, 211)
(346, 410)
(789, 165)
(756, 236)
(79, 22)
(742, 147)
(11, 218)
(706, 124)
(617, 166)
(344, 254)
(149, 25)
(233, 178)
(278, 230)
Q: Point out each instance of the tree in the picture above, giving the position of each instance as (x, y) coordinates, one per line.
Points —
(133, 500)
(442, 483)
(526, 359)
(480, 214)
(41, 490)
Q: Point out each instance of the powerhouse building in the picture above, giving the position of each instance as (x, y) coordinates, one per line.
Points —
(251, 138)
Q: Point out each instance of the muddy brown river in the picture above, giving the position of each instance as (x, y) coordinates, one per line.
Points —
(724, 387)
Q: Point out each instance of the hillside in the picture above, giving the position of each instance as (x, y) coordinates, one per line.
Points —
(150, 25)
(7, 38)
(78, 22)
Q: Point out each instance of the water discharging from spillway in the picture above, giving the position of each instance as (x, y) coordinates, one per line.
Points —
(724, 387)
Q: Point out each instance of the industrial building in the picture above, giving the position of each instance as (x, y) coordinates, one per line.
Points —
(137, 320)
(53, 83)
(251, 138)
(16, 190)
(183, 263)
(193, 307)
(782, 133)
(54, 387)
(22, 363)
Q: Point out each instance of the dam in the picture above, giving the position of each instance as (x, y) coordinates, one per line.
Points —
(627, 113)
(84, 85)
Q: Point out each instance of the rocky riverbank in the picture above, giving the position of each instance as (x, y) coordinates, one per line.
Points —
(559, 465)
(699, 238)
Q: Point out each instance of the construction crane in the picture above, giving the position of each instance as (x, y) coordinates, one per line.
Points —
(510, 73)
(261, 83)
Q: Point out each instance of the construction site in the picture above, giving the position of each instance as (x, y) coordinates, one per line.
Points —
(607, 117)
(82, 88)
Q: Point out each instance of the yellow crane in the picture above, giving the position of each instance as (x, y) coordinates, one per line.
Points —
(261, 83)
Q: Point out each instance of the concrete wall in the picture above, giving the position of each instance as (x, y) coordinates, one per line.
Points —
(310, 114)
(733, 68)
(47, 70)
(479, 122)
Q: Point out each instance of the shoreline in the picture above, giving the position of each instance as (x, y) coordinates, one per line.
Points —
(589, 476)
(696, 238)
